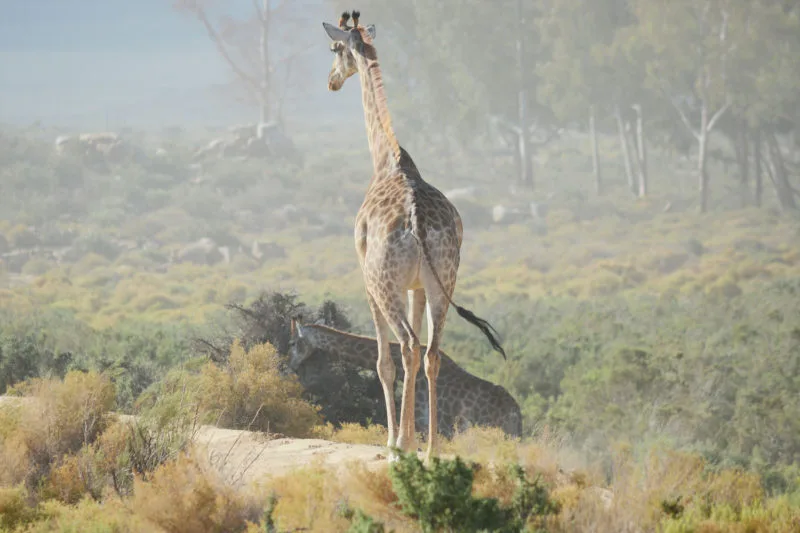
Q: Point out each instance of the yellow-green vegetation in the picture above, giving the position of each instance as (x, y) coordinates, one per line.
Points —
(720, 254)
(66, 478)
(247, 392)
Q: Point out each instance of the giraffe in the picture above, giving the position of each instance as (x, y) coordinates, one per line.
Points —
(463, 399)
(408, 240)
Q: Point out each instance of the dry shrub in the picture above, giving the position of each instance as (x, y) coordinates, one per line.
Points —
(661, 485)
(13, 450)
(62, 417)
(167, 422)
(14, 508)
(482, 445)
(74, 477)
(187, 496)
(353, 433)
(250, 393)
(372, 492)
(70, 413)
(111, 447)
(90, 471)
(111, 516)
(309, 498)
(778, 515)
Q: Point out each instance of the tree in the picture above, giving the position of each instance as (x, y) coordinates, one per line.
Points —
(768, 91)
(247, 47)
(694, 50)
(575, 82)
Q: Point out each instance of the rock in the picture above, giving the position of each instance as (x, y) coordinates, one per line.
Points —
(507, 215)
(467, 193)
(264, 250)
(14, 261)
(201, 252)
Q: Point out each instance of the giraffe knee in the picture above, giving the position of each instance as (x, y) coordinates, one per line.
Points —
(432, 362)
(410, 350)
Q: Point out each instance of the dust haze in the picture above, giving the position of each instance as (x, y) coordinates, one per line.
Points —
(627, 172)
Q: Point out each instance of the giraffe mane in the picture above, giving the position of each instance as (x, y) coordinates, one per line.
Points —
(339, 332)
(375, 74)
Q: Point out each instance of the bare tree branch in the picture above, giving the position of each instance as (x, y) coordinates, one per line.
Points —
(721, 111)
(685, 120)
(259, 11)
(218, 42)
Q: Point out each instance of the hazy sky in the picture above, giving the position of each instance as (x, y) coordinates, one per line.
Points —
(65, 60)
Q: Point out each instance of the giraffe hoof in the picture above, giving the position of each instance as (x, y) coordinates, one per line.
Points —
(393, 457)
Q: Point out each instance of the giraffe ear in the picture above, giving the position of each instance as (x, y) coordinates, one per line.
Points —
(371, 31)
(336, 34)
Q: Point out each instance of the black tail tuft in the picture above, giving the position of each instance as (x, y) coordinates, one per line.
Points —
(484, 326)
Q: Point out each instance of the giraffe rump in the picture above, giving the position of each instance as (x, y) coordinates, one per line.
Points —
(418, 232)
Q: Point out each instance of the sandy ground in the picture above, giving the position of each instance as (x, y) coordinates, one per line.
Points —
(245, 457)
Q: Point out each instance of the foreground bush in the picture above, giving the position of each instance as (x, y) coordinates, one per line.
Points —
(186, 495)
(53, 420)
(249, 392)
(246, 391)
(440, 497)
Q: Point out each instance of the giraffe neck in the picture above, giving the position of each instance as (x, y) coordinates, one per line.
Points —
(383, 144)
(360, 351)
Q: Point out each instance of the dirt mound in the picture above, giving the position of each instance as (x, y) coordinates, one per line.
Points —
(244, 456)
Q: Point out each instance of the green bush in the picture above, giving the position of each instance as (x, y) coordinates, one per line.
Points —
(440, 497)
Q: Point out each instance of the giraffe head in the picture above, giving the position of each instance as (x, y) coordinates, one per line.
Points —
(348, 43)
(300, 348)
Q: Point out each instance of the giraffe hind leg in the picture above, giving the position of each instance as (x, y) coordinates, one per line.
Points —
(386, 369)
(393, 308)
(416, 310)
(437, 313)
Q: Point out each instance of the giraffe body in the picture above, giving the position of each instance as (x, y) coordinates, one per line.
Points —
(407, 238)
(463, 399)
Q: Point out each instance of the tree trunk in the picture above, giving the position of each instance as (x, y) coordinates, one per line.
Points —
(264, 98)
(758, 174)
(779, 177)
(641, 152)
(742, 149)
(702, 172)
(626, 154)
(598, 178)
(525, 169)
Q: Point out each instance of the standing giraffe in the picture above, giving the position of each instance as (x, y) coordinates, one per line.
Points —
(463, 400)
(408, 239)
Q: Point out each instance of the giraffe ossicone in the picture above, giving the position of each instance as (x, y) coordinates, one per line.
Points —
(398, 260)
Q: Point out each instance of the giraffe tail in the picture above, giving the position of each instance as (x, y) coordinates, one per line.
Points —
(464, 313)
(481, 324)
